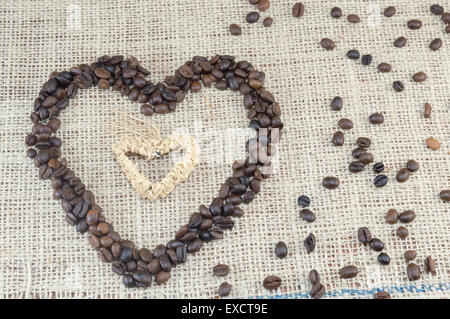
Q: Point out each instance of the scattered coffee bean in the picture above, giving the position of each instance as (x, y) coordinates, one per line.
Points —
(376, 118)
(382, 295)
(402, 232)
(345, 124)
(430, 266)
(427, 110)
(412, 166)
(400, 42)
(389, 11)
(447, 29)
(336, 12)
(410, 255)
(338, 139)
(221, 270)
(436, 9)
(445, 195)
(384, 259)
(380, 180)
(413, 272)
(307, 215)
(356, 167)
(310, 243)
(263, 5)
(407, 216)
(446, 17)
(363, 142)
(272, 282)
(364, 235)
(419, 77)
(366, 59)
(348, 272)
(414, 24)
(353, 18)
(366, 158)
(252, 17)
(314, 277)
(357, 152)
(398, 86)
(298, 10)
(384, 67)
(353, 54)
(378, 167)
(337, 103)
(267, 22)
(433, 143)
(330, 182)
(281, 249)
(317, 291)
(435, 44)
(376, 244)
(235, 29)
(303, 201)
(31, 153)
(402, 175)
(224, 289)
(392, 216)
(327, 44)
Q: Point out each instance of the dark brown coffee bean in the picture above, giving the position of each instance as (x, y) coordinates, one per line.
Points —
(330, 182)
(445, 195)
(435, 44)
(310, 243)
(194, 245)
(376, 244)
(336, 13)
(348, 272)
(430, 266)
(392, 216)
(363, 142)
(105, 255)
(400, 42)
(186, 72)
(384, 67)
(366, 59)
(303, 201)
(353, 18)
(366, 158)
(356, 167)
(314, 277)
(380, 180)
(224, 289)
(384, 259)
(357, 152)
(402, 175)
(263, 5)
(327, 44)
(102, 73)
(267, 22)
(419, 77)
(337, 103)
(345, 124)
(376, 118)
(281, 249)
(382, 295)
(235, 29)
(338, 138)
(31, 153)
(389, 11)
(221, 270)
(447, 29)
(272, 282)
(427, 110)
(353, 54)
(436, 9)
(162, 277)
(410, 255)
(307, 215)
(412, 166)
(414, 24)
(142, 278)
(402, 232)
(407, 216)
(298, 10)
(317, 291)
(413, 272)
(364, 235)
(398, 86)
(252, 17)
(446, 17)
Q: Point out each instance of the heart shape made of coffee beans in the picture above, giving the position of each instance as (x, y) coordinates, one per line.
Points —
(139, 266)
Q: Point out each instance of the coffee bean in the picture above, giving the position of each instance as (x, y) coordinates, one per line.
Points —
(128, 281)
(221, 270)
(366, 59)
(419, 77)
(267, 22)
(435, 44)
(398, 86)
(281, 249)
(389, 11)
(402, 175)
(337, 103)
(353, 18)
(142, 278)
(298, 10)
(353, 54)
(330, 182)
(407, 216)
(427, 110)
(445, 195)
(384, 259)
(392, 216)
(224, 289)
(310, 243)
(400, 42)
(357, 152)
(317, 291)
(412, 166)
(252, 17)
(345, 124)
(314, 277)
(431, 142)
(235, 29)
(436, 9)
(410, 255)
(366, 158)
(364, 235)
(263, 5)
(402, 232)
(162, 277)
(348, 272)
(447, 29)
(446, 17)
(413, 272)
(327, 44)
(376, 244)
(382, 295)
(376, 118)
(102, 73)
(384, 67)
(430, 266)
(378, 167)
(272, 282)
(363, 142)
(31, 153)
(307, 215)
(338, 138)
(336, 12)
(303, 201)
(356, 167)
(414, 24)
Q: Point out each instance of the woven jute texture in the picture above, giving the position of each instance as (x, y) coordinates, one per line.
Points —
(42, 256)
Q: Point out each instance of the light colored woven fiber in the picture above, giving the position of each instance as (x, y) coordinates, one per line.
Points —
(42, 256)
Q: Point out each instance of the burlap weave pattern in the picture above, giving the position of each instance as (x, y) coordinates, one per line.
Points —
(42, 256)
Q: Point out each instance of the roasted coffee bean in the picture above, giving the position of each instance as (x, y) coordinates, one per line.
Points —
(427, 110)
(384, 67)
(413, 272)
(376, 244)
(445, 195)
(235, 29)
(263, 5)
(410, 255)
(363, 142)
(436, 44)
(348, 272)
(165, 262)
(31, 153)
(317, 291)
(436, 9)
(366, 59)
(392, 216)
(338, 139)
(447, 29)
(272, 282)
(382, 295)
(252, 17)
(414, 24)
(337, 103)
(162, 277)
(221, 270)
(327, 44)
(307, 215)
(281, 249)
(419, 77)
(400, 42)
(402, 175)
(446, 17)
(384, 259)
(336, 13)
(378, 167)
(402, 232)
(398, 86)
(267, 22)
(356, 167)
(128, 281)
(298, 10)
(142, 278)
(314, 277)
(364, 235)
(310, 243)
(357, 152)
(353, 54)
(376, 118)
(303, 201)
(430, 266)
(105, 255)
(366, 158)
(431, 142)
(194, 246)
(407, 216)
(345, 124)
(224, 289)
(389, 11)
(353, 18)
(330, 182)
(412, 166)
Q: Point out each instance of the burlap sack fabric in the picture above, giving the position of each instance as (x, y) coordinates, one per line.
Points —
(41, 256)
